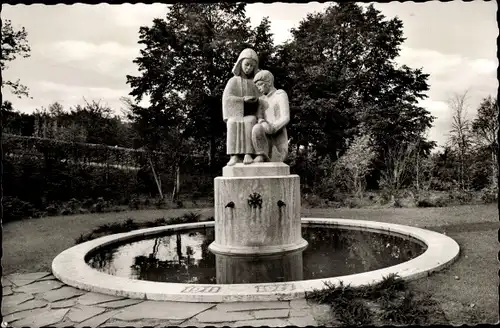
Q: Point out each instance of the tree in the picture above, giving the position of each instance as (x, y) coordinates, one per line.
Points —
(485, 133)
(423, 165)
(14, 44)
(356, 163)
(157, 131)
(424, 174)
(398, 167)
(262, 43)
(444, 175)
(460, 138)
(15, 122)
(341, 63)
(56, 109)
(187, 61)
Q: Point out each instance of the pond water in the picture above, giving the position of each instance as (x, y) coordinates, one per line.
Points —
(183, 257)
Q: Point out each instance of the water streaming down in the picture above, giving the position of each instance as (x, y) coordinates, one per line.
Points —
(184, 257)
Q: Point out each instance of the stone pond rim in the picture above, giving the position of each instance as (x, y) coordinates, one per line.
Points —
(71, 268)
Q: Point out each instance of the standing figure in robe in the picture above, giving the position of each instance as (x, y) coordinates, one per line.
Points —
(273, 115)
(239, 108)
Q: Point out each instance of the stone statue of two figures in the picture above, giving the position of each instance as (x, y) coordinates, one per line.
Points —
(255, 113)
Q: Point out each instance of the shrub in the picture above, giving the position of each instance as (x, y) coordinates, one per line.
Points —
(311, 200)
(461, 197)
(442, 202)
(189, 217)
(99, 206)
(408, 310)
(397, 203)
(192, 217)
(15, 209)
(358, 202)
(87, 203)
(488, 195)
(353, 167)
(333, 204)
(134, 203)
(403, 198)
(73, 206)
(388, 287)
(160, 221)
(52, 210)
(352, 312)
(433, 199)
(398, 304)
(425, 203)
(352, 202)
(160, 202)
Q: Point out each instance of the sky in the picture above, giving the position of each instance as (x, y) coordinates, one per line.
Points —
(85, 51)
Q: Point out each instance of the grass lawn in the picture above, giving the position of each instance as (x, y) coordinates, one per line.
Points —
(467, 292)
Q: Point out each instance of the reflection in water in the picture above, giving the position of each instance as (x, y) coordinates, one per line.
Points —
(103, 260)
(184, 256)
(245, 270)
(343, 252)
(189, 263)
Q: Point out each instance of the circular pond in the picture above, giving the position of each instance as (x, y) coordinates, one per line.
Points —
(183, 257)
(174, 263)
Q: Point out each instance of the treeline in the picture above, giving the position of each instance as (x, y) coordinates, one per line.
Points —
(91, 122)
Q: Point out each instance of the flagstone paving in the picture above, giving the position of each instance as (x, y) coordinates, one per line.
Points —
(120, 303)
(39, 299)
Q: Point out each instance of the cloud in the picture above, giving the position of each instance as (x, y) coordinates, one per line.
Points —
(485, 66)
(110, 58)
(431, 60)
(77, 92)
(135, 15)
(442, 122)
(283, 16)
(452, 73)
(81, 50)
(443, 114)
(436, 107)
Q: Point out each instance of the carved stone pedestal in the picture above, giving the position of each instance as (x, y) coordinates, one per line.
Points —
(257, 210)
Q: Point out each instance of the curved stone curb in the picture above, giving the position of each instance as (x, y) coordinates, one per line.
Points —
(70, 267)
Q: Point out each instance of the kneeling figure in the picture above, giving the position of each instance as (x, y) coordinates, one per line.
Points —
(273, 115)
